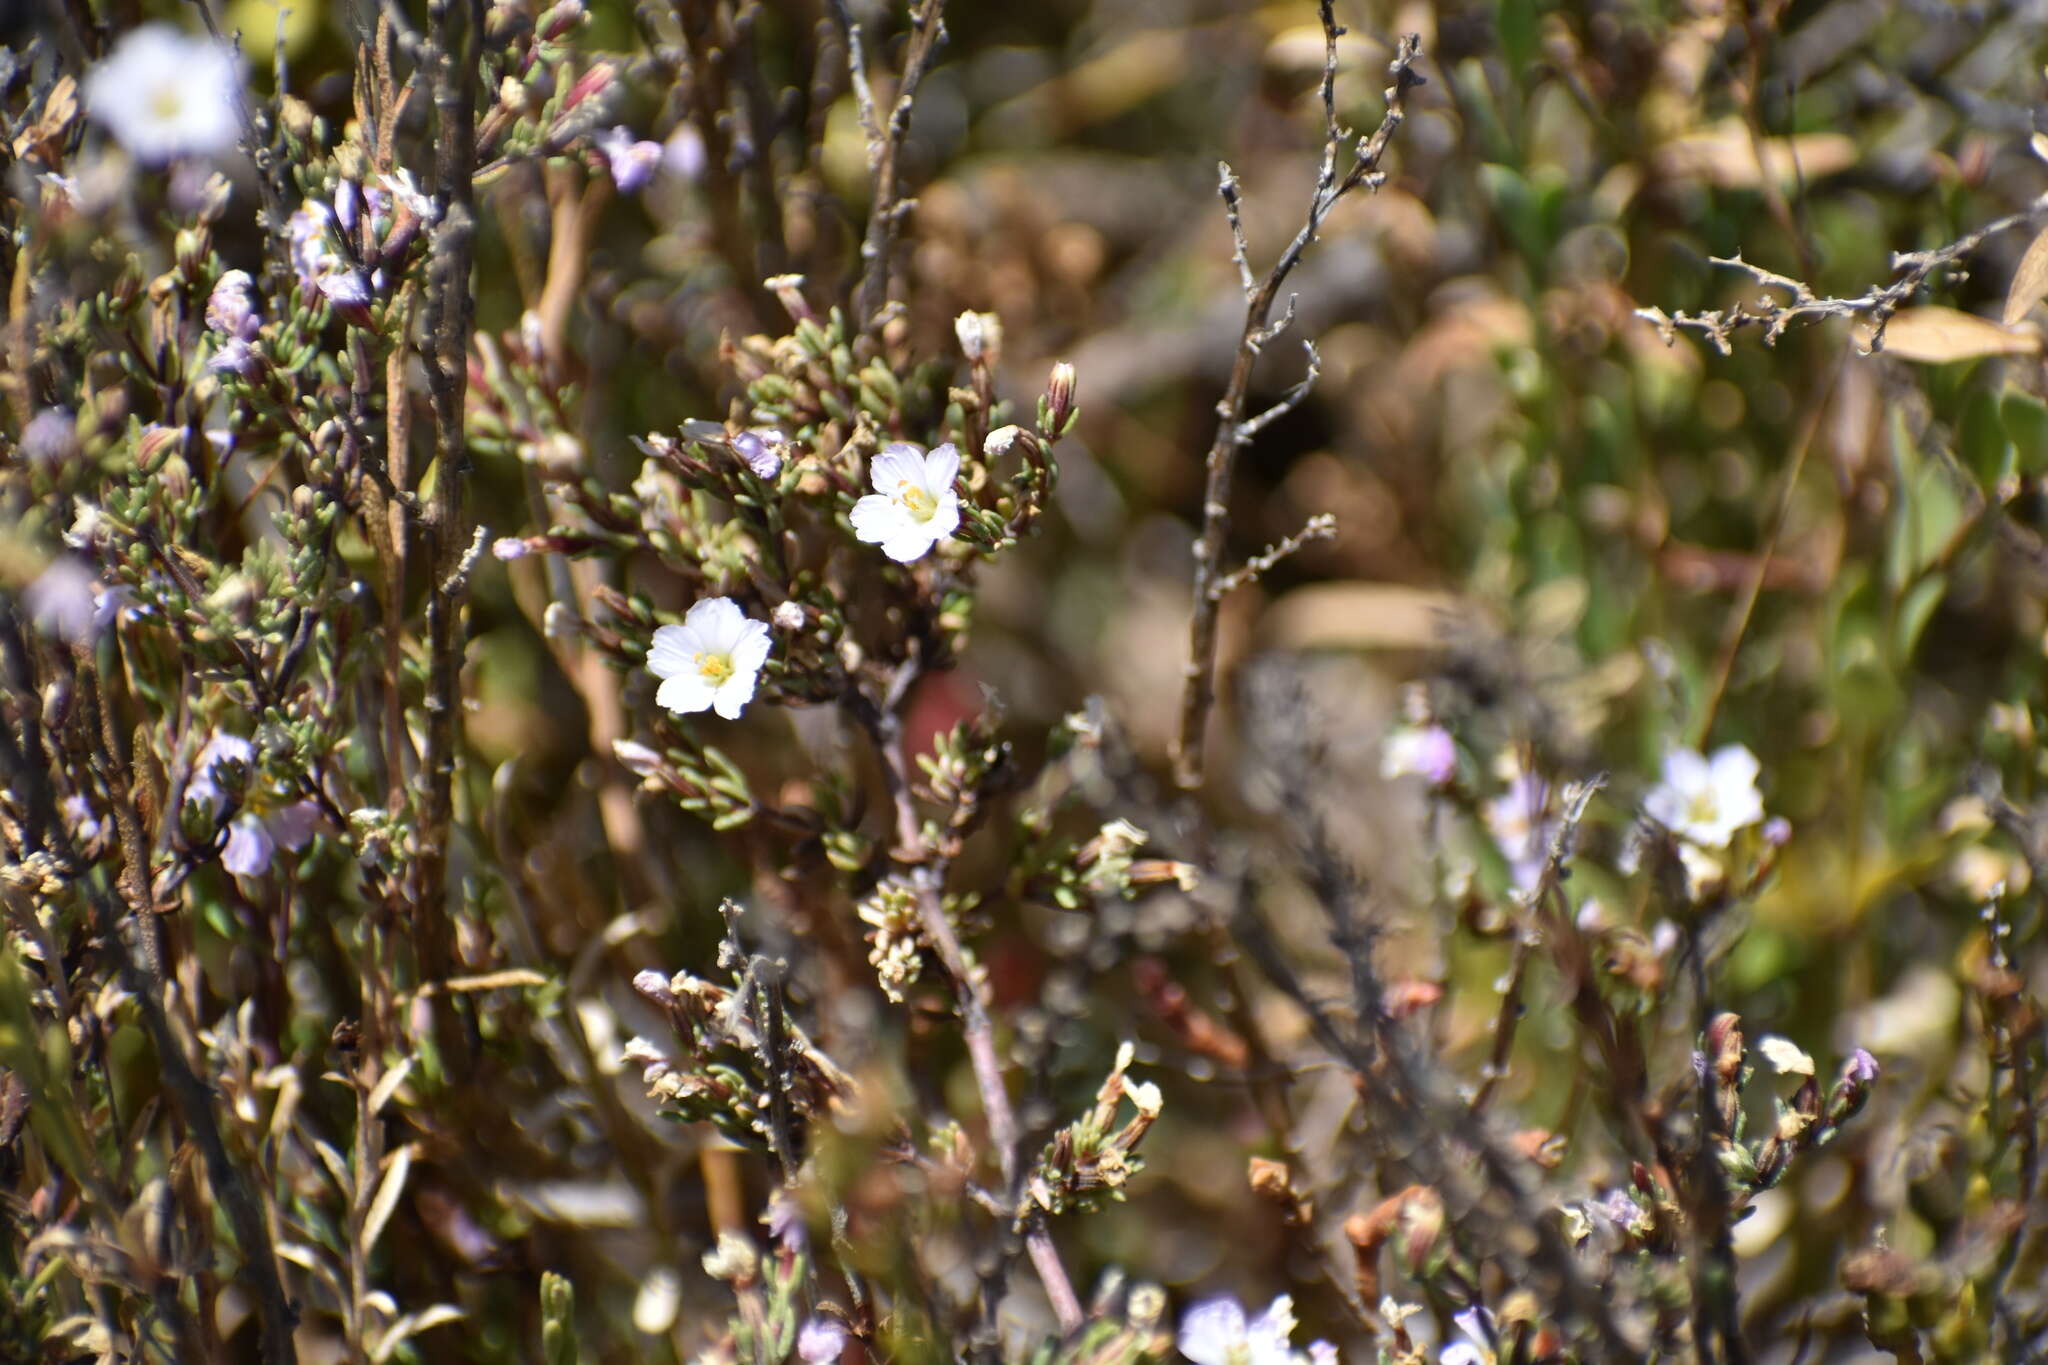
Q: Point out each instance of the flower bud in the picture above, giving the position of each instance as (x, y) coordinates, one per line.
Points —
(788, 616)
(641, 761)
(558, 20)
(510, 548)
(981, 336)
(1059, 397)
(788, 291)
(589, 83)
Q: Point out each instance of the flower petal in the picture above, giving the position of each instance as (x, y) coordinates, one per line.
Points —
(876, 517)
(941, 467)
(684, 693)
(717, 621)
(672, 651)
(248, 849)
(895, 465)
(1211, 1330)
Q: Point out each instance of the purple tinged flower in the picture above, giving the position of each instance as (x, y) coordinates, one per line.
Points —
(306, 232)
(51, 435)
(785, 1220)
(1516, 821)
(231, 307)
(348, 293)
(60, 600)
(348, 203)
(1424, 751)
(204, 785)
(511, 547)
(1860, 1069)
(237, 357)
(821, 1341)
(80, 820)
(632, 163)
(1777, 831)
(249, 846)
(1477, 1348)
(761, 449)
(655, 986)
(1217, 1332)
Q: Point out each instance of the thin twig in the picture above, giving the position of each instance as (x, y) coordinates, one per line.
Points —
(925, 872)
(1233, 430)
(1877, 304)
(885, 148)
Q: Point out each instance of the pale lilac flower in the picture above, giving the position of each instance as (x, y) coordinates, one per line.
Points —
(306, 232)
(683, 154)
(785, 1221)
(511, 547)
(235, 356)
(1705, 800)
(1860, 1069)
(761, 448)
(231, 307)
(1777, 831)
(1424, 751)
(1217, 1332)
(820, 1341)
(710, 661)
(51, 435)
(1477, 1348)
(254, 837)
(1516, 821)
(60, 600)
(166, 94)
(631, 162)
(80, 820)
(204, 786)
(348, 293)
(913, 506)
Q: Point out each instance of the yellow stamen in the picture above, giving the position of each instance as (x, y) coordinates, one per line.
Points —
(919, 503)
(166, 102)
(713, 668)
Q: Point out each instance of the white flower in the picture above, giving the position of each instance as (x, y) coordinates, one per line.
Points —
(913, 506)
(1477, 1348)
(820, 1341)
(1216, 1332)
(1516, 821)
(166, 94)
(60, 600)
(709, 662)
(1785, 1056)
(1705, 800)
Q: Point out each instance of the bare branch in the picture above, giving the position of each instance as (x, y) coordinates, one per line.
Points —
(885, 148)
(1233, 431)
(1877, 304)
(1321, 526)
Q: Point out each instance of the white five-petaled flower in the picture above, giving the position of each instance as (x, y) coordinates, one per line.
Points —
(1217, 1332)
(262, 824)
(165, 94)
(1705, 800)
(710, 661)
(913, 506)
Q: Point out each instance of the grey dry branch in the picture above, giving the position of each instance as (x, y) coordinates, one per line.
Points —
(1875, 305)
(885, 148)
(1234, 430)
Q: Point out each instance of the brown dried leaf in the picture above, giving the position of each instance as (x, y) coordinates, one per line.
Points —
(1726, 155)
(39, 139)
(2030, 281)
(1936, 336)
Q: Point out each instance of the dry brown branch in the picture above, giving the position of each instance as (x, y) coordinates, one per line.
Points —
(1234, 430)
(450, 313)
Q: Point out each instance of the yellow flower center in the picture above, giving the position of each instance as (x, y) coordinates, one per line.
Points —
(1703, 808)
(713, 668)
(919, 503)
(166, 102)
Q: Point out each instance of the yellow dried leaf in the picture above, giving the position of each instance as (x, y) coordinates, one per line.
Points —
(1936, 336)
(2030, 281)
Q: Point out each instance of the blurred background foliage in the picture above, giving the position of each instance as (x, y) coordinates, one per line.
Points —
(1591, 542)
